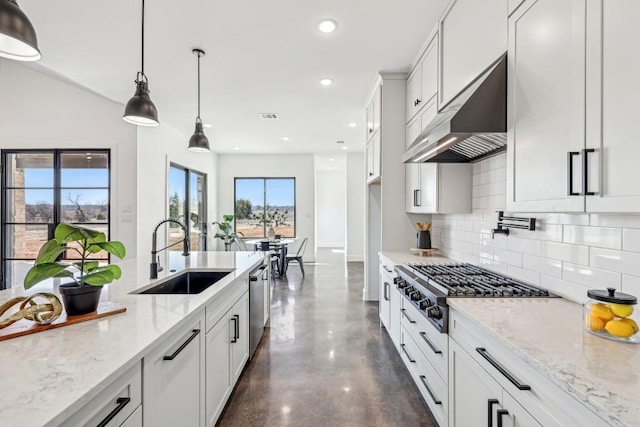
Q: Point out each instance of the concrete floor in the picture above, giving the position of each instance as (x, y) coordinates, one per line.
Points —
(325, 361)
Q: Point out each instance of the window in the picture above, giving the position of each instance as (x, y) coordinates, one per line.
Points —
(42, 188)
(261, 203)
(187, 199)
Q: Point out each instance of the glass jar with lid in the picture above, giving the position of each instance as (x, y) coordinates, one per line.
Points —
(611, 314)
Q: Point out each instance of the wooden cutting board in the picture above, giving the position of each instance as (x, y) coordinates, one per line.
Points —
(26, 327)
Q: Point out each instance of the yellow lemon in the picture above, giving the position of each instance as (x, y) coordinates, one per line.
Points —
(619, 328)
(621, 310)
(601, 311)
(594, 322)
(631, 323)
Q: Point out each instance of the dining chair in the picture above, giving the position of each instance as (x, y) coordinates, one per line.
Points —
(274, 256)
(242, 246)
(296, 257)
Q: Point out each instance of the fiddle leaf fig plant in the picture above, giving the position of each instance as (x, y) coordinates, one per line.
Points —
(85, 242)
(225, 230)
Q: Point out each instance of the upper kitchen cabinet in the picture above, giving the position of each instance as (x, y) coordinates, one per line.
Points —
(373, 159)
(374, 112)
(473, 34)
(422, 83)
(556, 92)
(545, 106)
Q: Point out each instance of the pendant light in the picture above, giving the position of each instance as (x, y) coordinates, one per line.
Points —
(140, 109)
(17, 36)
(198, 141)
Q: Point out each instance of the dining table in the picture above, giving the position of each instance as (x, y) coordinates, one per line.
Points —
(279, 246)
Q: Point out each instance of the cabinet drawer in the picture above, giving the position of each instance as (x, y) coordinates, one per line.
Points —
(432, 343)
(117, 402)
(549, 404)
(433, 389)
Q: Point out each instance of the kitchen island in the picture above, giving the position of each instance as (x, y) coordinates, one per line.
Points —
(48, 376)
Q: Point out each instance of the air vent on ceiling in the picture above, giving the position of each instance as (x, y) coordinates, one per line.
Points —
(339, 142)
(268, 116)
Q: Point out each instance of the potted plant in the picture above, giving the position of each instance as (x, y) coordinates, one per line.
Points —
(225, 231)
(81, 294)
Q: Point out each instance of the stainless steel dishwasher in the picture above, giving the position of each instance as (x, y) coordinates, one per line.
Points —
(258, 279)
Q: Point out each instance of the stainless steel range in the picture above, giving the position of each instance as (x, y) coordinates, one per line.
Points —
(428, 286)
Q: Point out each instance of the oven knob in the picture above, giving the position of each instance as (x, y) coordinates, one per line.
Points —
(434, 312)
(407, 291)
(399, 281)
(415, 296)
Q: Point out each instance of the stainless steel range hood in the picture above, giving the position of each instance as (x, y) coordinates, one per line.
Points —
(473, 125)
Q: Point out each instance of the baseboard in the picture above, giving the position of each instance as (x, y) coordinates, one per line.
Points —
(355, 258)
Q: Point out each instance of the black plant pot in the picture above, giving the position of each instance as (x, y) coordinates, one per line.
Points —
(80, 300)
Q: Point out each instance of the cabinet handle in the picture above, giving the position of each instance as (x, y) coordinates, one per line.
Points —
(386, 291)
(433, 397)
(570, 191)
(370, 130)
(257, 273)
(387, 269)
(418, 102)
(411, 359)
(122, 402)
(585, 172)
(500, 413)
(419, 198)
(503, 371)
(429, 343)
(405, 315)
(370, 173)
(236, 328)
(490, 404)
(194, 333)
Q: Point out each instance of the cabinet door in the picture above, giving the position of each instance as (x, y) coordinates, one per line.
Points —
(173, 378)
(370, 120)
(377, 108)
(428, 194)
(384, 298)
(428, 113)
(413, 93)
(394, 314)
(429, 73)
(240, 348)
(613, 91)
(468, 43)
(369, 161)
(516, 415)
(471, 391)
(412, 187)
(135, 419)
(376, 155)
(218, 368)
(412, 131)
(546, 119)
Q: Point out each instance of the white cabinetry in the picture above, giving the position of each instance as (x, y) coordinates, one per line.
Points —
(389, 301)
(438, 187)
(117, 405)
(422, 83)
(373, 159)
(473, 34)
(374, 113)
(174, 378)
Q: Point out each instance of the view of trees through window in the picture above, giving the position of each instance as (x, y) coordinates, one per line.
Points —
(261, 203)
(187, 191)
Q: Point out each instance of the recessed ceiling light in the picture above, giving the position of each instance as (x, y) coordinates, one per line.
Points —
(326, 82)
(345, 148)
(236, 148)
(285, 138)
(207, 125)
(327, 26)
(352, 125)
(331, 159)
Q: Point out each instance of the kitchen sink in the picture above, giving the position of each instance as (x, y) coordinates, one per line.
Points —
(191, 282)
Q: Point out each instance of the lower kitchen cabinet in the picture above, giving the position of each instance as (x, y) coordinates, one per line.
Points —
(174, 378)
(227, 352)
(135, 419)
(389, 300)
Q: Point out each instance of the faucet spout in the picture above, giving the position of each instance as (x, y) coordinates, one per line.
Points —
(155, 260)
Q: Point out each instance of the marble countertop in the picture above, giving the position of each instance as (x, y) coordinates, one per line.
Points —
(414, 258)
(602, 374)
(45, 377)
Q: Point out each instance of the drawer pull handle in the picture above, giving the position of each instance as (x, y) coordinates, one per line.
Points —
(500, 413)
(429, 343)
(237, 331)
(433, 397)
(411, 359)
(490, 404)
(408, 318)
(387, 269)
(503, 371)
(386, 291)
(122, 402)
(235, 320)
(194, 333)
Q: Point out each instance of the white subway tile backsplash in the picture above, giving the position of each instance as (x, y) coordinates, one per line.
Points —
(477, 168)
(507, 257)
(551, 232)
(631, 285)
(557, 218)
(494, 266)
(550, 267)
(601, 237)
(624, 262)
(565, 252)
(590, 277)
(496, 162)
(483, 251)
(610, 220)
(631, 239)
(526, 246)
(527, 276)
(570, 290)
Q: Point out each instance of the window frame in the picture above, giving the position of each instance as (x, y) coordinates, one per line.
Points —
(187, 199)
(57, 198)
(264, 204)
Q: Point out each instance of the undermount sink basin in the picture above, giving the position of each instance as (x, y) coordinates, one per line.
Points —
(191, 282)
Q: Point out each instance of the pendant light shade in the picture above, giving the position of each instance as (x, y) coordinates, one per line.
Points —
(18, 39)
(199, 141)
(140, 110)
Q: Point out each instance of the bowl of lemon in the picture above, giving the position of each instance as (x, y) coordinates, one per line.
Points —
(610, 314)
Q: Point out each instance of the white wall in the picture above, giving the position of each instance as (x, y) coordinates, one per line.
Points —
(41, 111)
(355, 206)
(300, 166)
(330, 209)
(567, 253)
(157, 148)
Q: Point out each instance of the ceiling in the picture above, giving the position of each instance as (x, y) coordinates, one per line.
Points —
(261, 57)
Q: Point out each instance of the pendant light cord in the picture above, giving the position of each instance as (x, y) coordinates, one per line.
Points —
(198, 84)
(142, 37)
